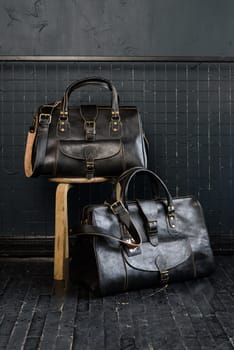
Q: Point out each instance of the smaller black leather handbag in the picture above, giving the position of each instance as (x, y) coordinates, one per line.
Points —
(147, 243)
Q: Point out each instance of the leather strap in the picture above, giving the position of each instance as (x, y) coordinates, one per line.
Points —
(28, 169)
(149, 210)
(28, 154)
(123, 215)
(89, 115)
(40, 131)
(42, 136)
(124, 183)
(133, 237)
(132, 173)
(91, 230)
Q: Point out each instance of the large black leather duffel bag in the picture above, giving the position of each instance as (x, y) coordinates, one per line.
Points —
(86, 140)
(145, 243)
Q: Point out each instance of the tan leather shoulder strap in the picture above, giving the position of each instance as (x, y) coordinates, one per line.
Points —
(28, 149)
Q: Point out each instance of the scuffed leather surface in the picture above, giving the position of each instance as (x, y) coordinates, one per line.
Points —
(184, 252)
(65, 150)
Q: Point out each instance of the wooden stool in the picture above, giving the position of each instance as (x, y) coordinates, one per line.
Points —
(61, 245)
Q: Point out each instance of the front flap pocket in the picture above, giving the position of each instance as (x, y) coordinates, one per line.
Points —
(165, 256)
(93, 150)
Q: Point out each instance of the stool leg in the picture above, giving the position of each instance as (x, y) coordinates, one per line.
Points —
(61, 247)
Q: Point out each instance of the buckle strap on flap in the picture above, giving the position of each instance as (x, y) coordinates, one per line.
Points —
(90, 130)
(90, 168)
(89, 114)
(148, 209)
(119, 209)
(90, 154)
(164, 277)
(44, 119)
(162, 266)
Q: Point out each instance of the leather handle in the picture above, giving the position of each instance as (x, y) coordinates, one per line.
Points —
(124, 177)
(125, 180)
(90, 81)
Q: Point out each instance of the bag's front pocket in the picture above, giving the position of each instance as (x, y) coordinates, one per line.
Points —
(168, 262)
(81, 150)
(79, 158)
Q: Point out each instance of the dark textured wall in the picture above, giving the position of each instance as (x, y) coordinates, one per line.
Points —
(187, 109)
(116, 27)
(187, 112)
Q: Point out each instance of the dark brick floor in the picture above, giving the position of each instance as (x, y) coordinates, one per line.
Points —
(194, 315)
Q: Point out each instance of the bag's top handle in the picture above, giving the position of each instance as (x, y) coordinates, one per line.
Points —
(90, 81)
(126, 178)
(120, 209)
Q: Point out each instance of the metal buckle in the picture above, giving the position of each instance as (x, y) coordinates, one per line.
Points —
(115, 115)
(90, 129)
(170, 209)
(164, 277)
(172, 220)
(63, 113)
(152, 226)
(115, 124)
(90, 168)
(171, 216)
(117, 206)
(44, 117)
(130, 242)
(90, 165)
(90, 124)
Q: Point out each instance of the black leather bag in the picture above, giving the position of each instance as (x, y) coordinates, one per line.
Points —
(85, 141)
(147, 243)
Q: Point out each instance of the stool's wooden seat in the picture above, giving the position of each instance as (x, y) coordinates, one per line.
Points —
(61, 245)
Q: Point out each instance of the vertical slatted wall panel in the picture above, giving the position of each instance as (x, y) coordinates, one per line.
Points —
(187, 112)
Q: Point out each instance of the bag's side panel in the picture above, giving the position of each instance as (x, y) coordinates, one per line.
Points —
(133, 138)
(111, 269)
(190, 223)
